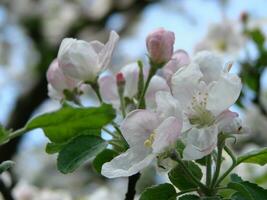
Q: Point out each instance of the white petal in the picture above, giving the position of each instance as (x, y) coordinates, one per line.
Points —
(156, 84)
(131, 74)
(200, 142)
(108, 90)
(78, 59)
(210, 65)
(168, 106)
(53, 93)
(224, 93)
(107, 51)
(185, 82)
(138, 125)
(166, 134)
(97, 46)
(128, 163)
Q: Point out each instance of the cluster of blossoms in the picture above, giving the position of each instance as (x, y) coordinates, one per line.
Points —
(176, 98)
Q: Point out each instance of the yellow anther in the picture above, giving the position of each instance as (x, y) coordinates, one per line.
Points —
(147, 143)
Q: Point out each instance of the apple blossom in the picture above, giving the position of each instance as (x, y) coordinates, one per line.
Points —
(205, 91)
(160, 45)
(83, 60)
(179, 59)
(148, 134)
(130, 73)
(58, 81)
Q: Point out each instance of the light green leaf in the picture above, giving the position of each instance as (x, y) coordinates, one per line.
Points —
(68, 122)
(246, 190)
(256, 157)
(105, 156)
(180, 180)
(160, 192)
(78, 151)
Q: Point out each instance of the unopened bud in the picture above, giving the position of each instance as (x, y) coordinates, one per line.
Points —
(244, 17)
(120, 79)
(160, 45)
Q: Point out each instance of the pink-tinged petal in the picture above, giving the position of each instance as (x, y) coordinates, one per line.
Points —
(138, 125)
(131, 74)
(107, 51)
(235, 127)
(53, 93)
(156, 84)
(225, 118)
(128, 163)
(210, 65)
(168, 106)
(108, 90)
(224, 93)
(179, 58)
(166, 134)
(200, 142)
(185, 82)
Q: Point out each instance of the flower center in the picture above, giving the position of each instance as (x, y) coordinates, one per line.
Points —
(148, 142)
(197, 113)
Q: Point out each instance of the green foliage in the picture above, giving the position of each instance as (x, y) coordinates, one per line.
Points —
(78, 151)
(189, 197)
(258, 37)
(6, 165)
(179, 178)
(246, 190)
(68, 122)
(160, 192)
(3, 134)
(103, 157)
(256, 157)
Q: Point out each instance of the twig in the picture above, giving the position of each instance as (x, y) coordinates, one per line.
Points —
(131, 186)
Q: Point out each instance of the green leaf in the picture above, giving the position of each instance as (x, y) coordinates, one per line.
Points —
(160, 192)
(68, 122)
(256, 157)
(105, 156)
(180, 147)
(3, 134)
(258, 37)
(52, 148)
(189, 197)
(179, 178)
(246, 190)
(6, 165)
(78, 151)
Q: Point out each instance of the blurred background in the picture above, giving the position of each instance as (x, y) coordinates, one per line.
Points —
(30, 34)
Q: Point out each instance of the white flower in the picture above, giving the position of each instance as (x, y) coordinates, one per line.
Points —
(205, 91)
(83, 60)
(148, 134)
(58, 81)
(222, 38)
(109, 90)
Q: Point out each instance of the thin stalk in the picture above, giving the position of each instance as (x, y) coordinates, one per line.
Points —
(122, 102)
(218, 164)
(17, 133)
(208, 169)
(234, 164)
(110, 132)
(95, 87)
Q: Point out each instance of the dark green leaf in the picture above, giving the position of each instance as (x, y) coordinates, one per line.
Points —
(78, 151)
(189, 197)
(3, 134)
(6, 165)
(68, 122)
(160, 192)
(246, 190)
(179, 178)
(105, 156)
(52, 148)
(258, 37)
(180, 147)
(256, 157)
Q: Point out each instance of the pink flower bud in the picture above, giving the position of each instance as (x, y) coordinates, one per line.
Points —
(160, 45)
(58, 80)
(120, 78)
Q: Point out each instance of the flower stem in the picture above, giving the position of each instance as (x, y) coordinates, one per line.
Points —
(208, 170)
(131, 186)
(221, 144)
(234, 164)
(95, 87)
